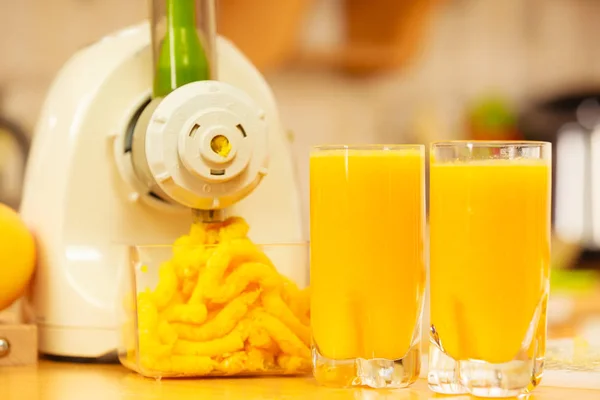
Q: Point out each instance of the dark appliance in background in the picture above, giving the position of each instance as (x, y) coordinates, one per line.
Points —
(571, 122)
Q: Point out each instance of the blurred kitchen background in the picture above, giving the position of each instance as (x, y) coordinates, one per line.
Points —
(393, 71)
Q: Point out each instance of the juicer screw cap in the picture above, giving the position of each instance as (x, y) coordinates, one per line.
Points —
(208, 150)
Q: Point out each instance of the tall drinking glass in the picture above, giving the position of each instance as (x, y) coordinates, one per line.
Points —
(367, 267)
(489, 268)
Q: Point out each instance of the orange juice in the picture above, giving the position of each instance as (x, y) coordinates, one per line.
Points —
(367, 268)
(490, 256)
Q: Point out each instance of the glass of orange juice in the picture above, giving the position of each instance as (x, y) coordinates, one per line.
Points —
(489, 224)
(367, 264)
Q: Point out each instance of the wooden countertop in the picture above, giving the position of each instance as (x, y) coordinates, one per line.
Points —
(63, 381)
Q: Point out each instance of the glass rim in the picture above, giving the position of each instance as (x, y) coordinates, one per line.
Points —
(325, 147)
(490, 143)
(260, 245)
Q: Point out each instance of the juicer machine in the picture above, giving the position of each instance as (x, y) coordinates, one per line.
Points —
(140, 133)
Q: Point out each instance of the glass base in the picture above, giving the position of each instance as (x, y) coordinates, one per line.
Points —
(442, 374)
(481, 379)
(377, 373)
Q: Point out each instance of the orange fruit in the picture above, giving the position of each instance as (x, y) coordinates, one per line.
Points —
(17, 256)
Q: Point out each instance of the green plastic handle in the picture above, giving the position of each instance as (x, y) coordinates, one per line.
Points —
(182, 58)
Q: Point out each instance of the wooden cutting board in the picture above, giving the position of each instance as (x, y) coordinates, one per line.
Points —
(18, 344)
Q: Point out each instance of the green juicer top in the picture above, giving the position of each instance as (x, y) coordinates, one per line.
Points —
(181, 56)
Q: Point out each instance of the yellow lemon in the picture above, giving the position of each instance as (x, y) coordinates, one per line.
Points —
(17, 256)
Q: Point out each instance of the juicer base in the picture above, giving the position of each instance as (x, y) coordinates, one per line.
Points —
(75, 343)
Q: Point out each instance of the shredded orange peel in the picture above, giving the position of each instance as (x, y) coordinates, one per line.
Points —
(221, 308)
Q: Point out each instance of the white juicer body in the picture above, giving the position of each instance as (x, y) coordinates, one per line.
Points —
(84, 208)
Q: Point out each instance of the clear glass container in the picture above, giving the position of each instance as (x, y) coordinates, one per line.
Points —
(183, 43)
(367, 264)
(489, 224)
(216, 310)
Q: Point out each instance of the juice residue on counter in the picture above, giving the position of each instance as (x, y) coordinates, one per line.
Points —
(222, 308)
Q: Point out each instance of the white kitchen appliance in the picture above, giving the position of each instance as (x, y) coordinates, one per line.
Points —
(111, 166)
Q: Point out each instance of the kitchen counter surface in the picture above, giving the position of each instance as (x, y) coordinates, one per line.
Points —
(63, 381)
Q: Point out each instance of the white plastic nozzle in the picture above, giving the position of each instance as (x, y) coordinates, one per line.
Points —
(206, 145)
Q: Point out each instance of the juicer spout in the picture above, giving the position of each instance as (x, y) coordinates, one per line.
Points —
(208, 216)
(183, 43)
(200, 143)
